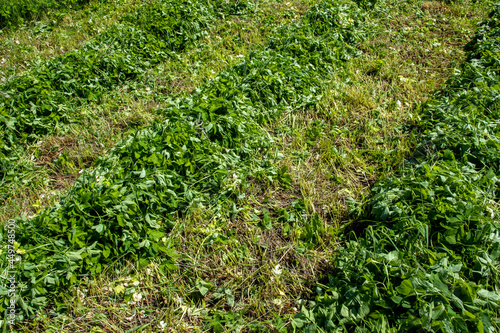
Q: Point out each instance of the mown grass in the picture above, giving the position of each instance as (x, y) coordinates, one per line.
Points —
(16, 12)
(361, 128)
(231, 271)
(24, 46)
(427, 258)
(55, 161)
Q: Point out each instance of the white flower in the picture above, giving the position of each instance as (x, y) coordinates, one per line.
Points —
(137, 297)
(276, 270)
(81, 295)
(163, 325)
(492, 213)
(240, 56)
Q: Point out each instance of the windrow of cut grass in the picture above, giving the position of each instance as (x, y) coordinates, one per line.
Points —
(202, 155)
(427, 259)
(46, 99)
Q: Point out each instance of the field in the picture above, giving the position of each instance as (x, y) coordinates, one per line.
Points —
(249, 166)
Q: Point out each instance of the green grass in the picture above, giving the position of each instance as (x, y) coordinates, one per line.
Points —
(359, 130)
(29, 44)
(428, 257)
(243, 268)
(55, 161)
(16, 12)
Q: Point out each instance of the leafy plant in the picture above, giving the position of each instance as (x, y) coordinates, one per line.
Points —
(16, 12)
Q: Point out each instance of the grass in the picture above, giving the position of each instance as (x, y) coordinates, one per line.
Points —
(24, 46)
(361, 129)
(56, 160)
(420, 263)
(13, 13)
(230, 271)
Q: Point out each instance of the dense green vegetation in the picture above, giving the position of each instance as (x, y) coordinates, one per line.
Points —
(42, 101)
(15, 12)
(202, 154)
(113, 103)
(428, 259)
(220, 206)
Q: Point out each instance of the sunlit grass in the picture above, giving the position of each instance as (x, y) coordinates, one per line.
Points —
(229, 271)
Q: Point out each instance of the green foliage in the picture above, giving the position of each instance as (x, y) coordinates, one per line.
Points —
(201, 155)
(428, 258)
(177, 23)
(237, 7)
(366, 4)
(48, 98)
(16, 12)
